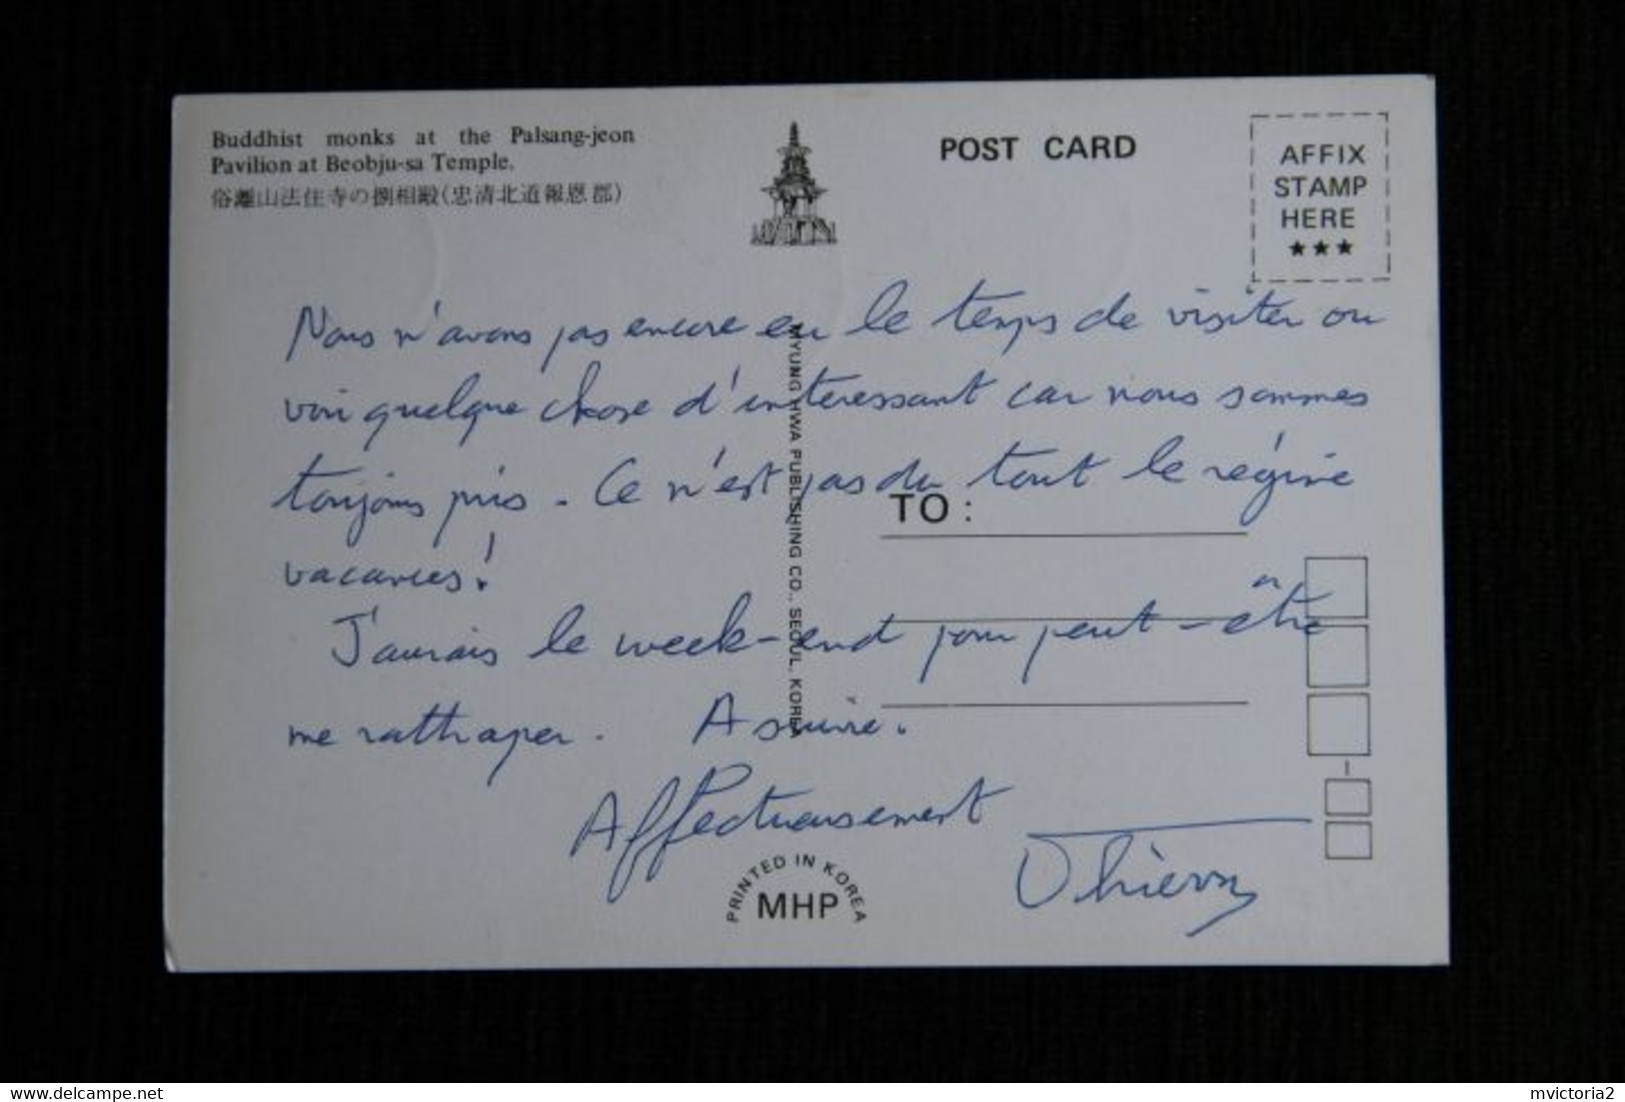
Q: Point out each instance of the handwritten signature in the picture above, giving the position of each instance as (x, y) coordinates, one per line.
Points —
(1127, 863)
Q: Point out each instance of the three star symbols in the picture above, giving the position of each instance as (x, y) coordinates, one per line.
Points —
(1344, 247)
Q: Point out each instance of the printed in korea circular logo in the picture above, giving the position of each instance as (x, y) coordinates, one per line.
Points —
(796, 889)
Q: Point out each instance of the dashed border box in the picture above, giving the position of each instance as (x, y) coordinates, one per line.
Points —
(1387, 197)
(1347, 841)
(1339, 725)
(1338, 657)
(1341, 584)
(1348, 797)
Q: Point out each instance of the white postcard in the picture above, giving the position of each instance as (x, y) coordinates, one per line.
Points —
(954, 524)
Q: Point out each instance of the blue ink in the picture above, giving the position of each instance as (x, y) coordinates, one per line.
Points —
(740, 487)
(1048, 395)
(835, 482)
(961, 637)
(1290, 610)
(563, 638)
(825, 392)
(309, 495)
(1151, 883)
(395, 653)
(703, 403)
(721, 719)
(1283, 614)
(758, 484)
(314, 413)
(640, 327)
(885, 314)
(684, 490)
(461, 406)
(321, 328)
(1162, 463)
(974, 313)
(1115, 316)
(1268, 478)
(761, 482)
(670, 819)
(579, 410)
(1150, 396)
(1267, 310)
(758, 403)
(910, 478)
(788, 325)
(1237, 396)
(448, 580)
(455, 334)
(731, 638)
(1138, 624)
(1338, 315)
(512, 501)
(547, 360)
(628, 492)
(439, 726)
(298, 736)
(811, 639)
(1007, 472)
(597, 338)
(404, 337)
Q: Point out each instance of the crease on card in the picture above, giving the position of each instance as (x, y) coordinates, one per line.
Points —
(433, 290)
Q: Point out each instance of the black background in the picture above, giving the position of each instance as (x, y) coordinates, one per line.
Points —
(1530, 198)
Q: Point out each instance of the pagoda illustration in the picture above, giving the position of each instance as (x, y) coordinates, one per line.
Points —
(795, 195)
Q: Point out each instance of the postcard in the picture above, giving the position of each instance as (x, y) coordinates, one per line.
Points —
(937, 524)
